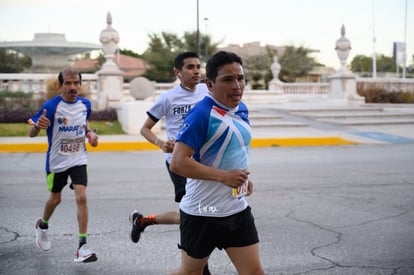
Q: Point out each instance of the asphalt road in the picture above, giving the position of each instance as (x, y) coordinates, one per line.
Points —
(319, 210)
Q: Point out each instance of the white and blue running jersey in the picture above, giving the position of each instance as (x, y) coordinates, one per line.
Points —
(66, 133)
(220, 138)
(173, 105)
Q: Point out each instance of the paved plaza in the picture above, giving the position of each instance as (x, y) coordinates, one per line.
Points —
(329, 198)
(319, 210)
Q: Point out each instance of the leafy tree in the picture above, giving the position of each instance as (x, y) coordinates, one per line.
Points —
(256, 69)
(190, 39)
(410, 68)
(13, 62)
(386, 64)
(160, 56)
(362, 63)
(130, 53)
(162, 50)
(295, 62)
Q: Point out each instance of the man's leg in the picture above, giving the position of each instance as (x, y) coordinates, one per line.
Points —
(79, 177)
(82, 205)
(140, 222)
(246, 259)
(190, 265)
(169, 217)
(84, 253)
(42, 224)
(51, 204)
(55, 183)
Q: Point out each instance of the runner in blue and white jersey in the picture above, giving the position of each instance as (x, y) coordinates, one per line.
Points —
(212, 151)
(220, 138)
(172, 105)
(66, 132)
(64, 118)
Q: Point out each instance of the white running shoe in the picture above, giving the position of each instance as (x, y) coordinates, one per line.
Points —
(85, 255)
(42, 240)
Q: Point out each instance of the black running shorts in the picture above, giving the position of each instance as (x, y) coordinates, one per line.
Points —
(201, 235)
(77, 174)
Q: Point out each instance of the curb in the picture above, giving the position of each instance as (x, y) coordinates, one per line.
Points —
(146, 146)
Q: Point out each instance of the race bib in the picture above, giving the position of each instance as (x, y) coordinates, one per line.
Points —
(241, 190)
(70, 146)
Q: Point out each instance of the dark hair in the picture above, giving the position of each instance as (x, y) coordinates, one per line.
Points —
(218, 60)
(179, 60)
(68, 71)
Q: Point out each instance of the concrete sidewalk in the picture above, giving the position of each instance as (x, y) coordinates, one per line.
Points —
(262, 137)
(295, 126)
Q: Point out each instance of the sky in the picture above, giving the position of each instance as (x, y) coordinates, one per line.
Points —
(314, 24)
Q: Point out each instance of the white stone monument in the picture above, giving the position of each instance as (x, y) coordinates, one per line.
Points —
(274, 94)
(343, 81)
(275, 85)
(109, 92)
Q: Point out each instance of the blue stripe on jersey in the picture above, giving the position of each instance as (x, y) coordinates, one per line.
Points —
(219, 137)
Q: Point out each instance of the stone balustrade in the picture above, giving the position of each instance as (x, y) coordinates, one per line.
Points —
(305, 88)
(37, 83)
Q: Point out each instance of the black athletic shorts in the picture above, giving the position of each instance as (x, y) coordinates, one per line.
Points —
(201, 235)
(77, 174)
(179, 183)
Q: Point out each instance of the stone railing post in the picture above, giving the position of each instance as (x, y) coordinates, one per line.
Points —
(110, 77)
(275, 85)
(343, 81)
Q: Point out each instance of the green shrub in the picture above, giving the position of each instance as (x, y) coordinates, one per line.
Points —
(22, 129)
(16, 94)
(23, 116)
(19, 106)
(18, 100)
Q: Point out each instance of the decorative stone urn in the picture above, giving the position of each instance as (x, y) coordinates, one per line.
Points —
(343, 88)
(109, 39)
(275, 68)
(110, 76)
(343, 47)
(275, 84)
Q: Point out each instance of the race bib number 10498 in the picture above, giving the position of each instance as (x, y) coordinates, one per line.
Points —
(70, 146)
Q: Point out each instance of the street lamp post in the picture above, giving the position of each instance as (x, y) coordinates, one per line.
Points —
(405, 42)
(198, 31)
(374, 55)
(206, 40)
